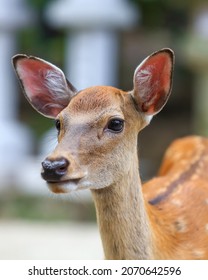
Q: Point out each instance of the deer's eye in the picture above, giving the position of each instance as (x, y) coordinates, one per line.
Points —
(58, 125)
(115, 125)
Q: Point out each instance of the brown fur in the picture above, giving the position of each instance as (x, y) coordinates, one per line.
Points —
(179, 220)
(167, 217)
(132, 225)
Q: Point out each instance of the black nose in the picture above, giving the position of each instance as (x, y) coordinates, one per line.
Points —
(53, 170)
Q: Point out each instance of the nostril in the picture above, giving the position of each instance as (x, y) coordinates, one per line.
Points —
(62, 166)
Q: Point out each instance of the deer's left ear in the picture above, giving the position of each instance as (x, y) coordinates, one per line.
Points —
(153, 82)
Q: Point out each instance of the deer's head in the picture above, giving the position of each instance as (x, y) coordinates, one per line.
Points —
(98, 126)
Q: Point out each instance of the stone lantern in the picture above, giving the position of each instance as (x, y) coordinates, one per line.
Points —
(92, 46)
(15, 140)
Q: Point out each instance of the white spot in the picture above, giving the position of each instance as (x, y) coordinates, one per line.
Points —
(198, 253)
(206, 228)
(176, 202)
(194, 177)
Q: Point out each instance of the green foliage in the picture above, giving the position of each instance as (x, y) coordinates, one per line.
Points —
(38, 4)
(157, 14)
(42, 208)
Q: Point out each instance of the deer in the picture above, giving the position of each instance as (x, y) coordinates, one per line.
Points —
(98, 127)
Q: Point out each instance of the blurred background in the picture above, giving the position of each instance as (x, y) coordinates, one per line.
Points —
(94, 42)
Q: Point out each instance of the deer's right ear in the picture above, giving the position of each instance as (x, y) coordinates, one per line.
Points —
(44, 85)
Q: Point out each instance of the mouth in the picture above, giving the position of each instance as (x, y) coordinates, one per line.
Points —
(66, 186)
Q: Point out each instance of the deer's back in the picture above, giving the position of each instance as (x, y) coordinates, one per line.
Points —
(177, 201)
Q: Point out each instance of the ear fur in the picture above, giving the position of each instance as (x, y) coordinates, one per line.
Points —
(44, 85)
(153, 82)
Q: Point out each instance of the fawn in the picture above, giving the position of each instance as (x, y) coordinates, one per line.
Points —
(98, 127)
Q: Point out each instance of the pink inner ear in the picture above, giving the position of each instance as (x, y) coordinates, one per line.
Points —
(153, 82)
(33, 73)
(161, 70)
(44, 84)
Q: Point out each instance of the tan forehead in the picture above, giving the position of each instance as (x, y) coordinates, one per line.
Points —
(97, 99)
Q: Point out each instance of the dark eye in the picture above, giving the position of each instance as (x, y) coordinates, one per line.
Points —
(58, 125)
(115, 125)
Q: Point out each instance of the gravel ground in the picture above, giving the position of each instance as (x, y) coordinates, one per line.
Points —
(41, 241)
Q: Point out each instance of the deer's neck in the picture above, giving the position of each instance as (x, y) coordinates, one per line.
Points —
(122, 219)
